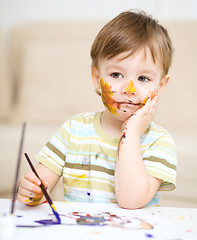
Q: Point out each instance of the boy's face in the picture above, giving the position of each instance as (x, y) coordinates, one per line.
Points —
(126, 83)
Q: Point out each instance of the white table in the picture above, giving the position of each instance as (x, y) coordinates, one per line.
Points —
(168, 223)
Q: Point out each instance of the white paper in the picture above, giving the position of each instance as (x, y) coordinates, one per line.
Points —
(128, 224)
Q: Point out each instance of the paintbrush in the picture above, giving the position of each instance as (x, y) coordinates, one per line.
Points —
(17, 169)
(44, 191)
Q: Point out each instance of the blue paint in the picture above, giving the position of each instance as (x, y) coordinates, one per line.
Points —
(47, 222)
(57, 216)
(148, 235)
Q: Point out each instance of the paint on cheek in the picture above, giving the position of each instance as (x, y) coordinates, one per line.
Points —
(107, 94)
(130, 88)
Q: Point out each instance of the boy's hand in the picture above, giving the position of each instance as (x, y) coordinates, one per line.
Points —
(140, 120)
(29, 191)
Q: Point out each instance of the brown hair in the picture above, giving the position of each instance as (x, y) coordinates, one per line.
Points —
(130, 31)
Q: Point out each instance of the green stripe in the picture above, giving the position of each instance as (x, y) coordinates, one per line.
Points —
(163, 161)
(154, 173)
(89, 167)
(56, 151)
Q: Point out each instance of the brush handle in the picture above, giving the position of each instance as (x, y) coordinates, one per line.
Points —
(41, 185)
(43, 189)
(17, 169)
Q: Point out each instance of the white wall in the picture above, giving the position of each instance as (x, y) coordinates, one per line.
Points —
(19, 11)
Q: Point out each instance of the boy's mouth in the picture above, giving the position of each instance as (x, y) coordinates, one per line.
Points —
(129, 103)
(126, 105)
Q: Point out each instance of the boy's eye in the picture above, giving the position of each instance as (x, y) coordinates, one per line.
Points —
(116, 75)
(143, 79)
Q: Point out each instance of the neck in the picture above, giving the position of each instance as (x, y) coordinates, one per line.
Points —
(111, 124)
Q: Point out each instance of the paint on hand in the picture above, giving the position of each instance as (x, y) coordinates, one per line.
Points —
(107, 94)
(151, 95)
(130, 89)
(122, 139)
(32, 201)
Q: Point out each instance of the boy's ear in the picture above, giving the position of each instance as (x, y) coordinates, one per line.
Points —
(163, 83)
(95, 78)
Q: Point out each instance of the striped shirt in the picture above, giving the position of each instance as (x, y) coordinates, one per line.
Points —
(85, 155)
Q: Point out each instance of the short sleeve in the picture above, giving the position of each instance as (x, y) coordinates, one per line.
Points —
(161, 161)
(53, 154)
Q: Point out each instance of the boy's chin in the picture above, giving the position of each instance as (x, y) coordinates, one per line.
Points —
(122, 116)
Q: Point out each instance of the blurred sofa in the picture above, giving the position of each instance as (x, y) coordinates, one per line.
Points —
(45, 78)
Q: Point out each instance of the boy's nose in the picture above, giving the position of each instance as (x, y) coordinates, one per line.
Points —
(130, 87)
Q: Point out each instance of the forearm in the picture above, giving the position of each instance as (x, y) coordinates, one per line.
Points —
(132, 179)
(47, 175)
(133, 186)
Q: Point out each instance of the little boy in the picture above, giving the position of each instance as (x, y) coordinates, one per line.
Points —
(118, 155)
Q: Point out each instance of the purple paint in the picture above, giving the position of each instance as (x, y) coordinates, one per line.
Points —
(47, 222)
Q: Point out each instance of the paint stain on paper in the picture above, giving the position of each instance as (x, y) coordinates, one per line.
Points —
(97, 219)
(47, 222)
(91, 221)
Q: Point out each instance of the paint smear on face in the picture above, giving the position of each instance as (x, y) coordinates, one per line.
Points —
(130, 89)
(107, 94)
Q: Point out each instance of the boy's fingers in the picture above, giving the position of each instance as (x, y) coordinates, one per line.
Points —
(21, 198)
(32, 178)
(26, 193)
(30, 186)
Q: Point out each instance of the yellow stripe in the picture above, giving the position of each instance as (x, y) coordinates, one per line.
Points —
(86, 184)
(67, 175)
(156, 174)
(98, 139)
(52, 205)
